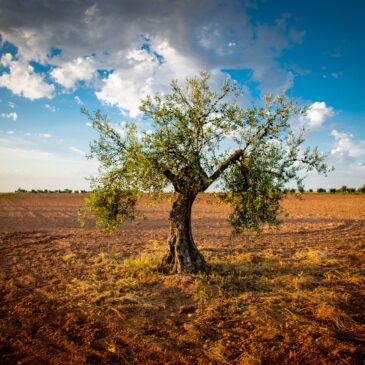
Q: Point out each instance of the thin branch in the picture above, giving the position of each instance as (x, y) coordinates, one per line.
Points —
(213, 105)
(183, 98)
(264, 133)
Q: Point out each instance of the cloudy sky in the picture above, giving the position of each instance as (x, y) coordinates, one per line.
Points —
(56, 56)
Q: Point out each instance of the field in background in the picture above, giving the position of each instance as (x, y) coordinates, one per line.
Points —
(76, 296)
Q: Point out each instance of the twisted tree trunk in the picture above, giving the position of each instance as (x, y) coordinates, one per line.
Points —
(183, 255)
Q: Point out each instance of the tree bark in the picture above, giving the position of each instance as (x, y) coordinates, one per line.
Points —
(183, 255)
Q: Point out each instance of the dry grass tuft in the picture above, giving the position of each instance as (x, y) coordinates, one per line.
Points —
(215, 353)
(333, 315)
(69, 256)
(109, 277)
(247, 359)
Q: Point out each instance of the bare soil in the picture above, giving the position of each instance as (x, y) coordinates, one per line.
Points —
(71, 295)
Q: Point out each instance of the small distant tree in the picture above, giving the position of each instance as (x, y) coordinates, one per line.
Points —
(184, 150)
(321, 190)
(333, 190)
(343, 189)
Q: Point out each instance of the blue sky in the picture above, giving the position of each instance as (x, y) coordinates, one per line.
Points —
(57, 56)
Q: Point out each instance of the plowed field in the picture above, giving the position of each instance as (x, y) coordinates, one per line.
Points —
(71, 295)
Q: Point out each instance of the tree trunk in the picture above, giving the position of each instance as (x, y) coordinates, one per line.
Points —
(182, 255)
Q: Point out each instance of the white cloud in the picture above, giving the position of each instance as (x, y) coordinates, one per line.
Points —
(120, 89)
(348, 159)
(77, 150)
(12, 115)
(23, 81)
(347, 156)
(10, 132)
(78, 100)
(317, 114)
(190, 37)
(70, 73)
(144, 75)
(11, 104)
(50, 107)
(346, 145)
(45, 135)
(6, 60)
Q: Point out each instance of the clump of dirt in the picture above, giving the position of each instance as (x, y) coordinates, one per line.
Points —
(77, 296)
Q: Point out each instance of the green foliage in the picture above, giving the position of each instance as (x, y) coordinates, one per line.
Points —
(184, 150)
(254, 207)
(110, 208)
(321, 190)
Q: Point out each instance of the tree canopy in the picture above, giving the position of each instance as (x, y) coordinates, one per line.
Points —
(200, 137)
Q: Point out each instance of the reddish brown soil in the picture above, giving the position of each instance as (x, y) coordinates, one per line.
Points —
(71, 295)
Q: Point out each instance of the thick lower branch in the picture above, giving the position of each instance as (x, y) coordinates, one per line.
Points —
(223, 166)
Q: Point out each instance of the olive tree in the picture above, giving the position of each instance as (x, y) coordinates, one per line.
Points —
(184, 150)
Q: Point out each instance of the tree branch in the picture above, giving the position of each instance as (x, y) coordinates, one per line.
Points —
(265, 131)
(183, 98)
(224, 165)
(213, 105)
(169, 175)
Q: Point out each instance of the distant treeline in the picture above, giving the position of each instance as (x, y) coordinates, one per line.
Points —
(343, 189)
(48, 191)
